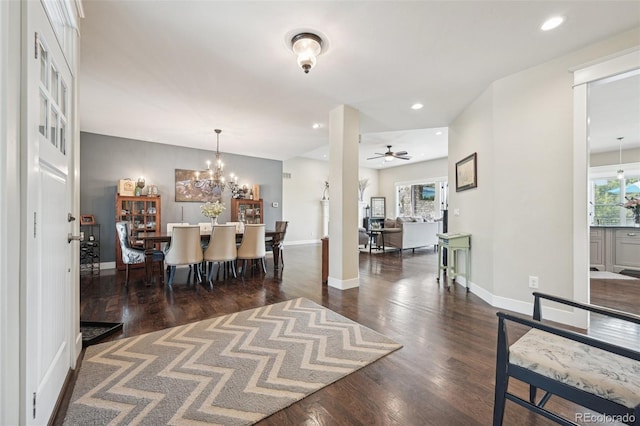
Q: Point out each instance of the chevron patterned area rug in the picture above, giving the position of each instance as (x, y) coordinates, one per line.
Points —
(232, 370)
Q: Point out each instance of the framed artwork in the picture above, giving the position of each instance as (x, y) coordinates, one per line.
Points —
(126, 187)
(378, 208)
(467, 173)
(194, 185)
(87, 219)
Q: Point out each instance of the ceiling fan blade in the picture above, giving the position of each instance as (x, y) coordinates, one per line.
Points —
(373, 158)
(404, 157)
(400, 153)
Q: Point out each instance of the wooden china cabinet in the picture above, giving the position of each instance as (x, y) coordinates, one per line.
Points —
(247, 211)
(143, 215)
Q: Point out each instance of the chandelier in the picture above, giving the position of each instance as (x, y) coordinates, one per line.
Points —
(213, 180)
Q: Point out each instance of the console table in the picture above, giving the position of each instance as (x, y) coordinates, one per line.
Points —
(454, 242)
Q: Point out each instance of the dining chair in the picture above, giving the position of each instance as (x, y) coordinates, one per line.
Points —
(184, 249)
(252, 246)
(276, 241)
(222, 249)
(132, 255)
(172, 225)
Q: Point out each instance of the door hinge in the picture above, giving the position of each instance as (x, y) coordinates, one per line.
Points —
(35, 43)
(35, 222)
(34, 405)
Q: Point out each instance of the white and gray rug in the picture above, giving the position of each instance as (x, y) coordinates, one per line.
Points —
(232, 370)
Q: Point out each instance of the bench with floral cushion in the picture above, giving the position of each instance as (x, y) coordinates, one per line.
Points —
(601, 376)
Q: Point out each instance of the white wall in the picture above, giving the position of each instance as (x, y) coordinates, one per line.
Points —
(302, 193)
(613, 157)
(521, 211)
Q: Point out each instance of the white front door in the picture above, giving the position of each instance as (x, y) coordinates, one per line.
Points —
(47, 180)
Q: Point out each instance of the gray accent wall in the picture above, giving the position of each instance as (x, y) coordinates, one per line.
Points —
(106, 159)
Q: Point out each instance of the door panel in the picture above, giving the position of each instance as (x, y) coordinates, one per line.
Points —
(48, 295)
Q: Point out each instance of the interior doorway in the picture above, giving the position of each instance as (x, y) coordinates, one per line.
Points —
(585, 79)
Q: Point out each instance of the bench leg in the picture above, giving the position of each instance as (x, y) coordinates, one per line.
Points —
(502, 377)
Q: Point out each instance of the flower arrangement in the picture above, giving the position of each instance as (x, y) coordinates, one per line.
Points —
(212, 209)
(633, 204)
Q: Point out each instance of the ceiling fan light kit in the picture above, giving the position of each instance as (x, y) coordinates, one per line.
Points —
(390, 156)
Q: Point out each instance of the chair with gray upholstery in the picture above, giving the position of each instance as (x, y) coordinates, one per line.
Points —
(222, 249)
(185, 249)
(252, 246)
(130, 255)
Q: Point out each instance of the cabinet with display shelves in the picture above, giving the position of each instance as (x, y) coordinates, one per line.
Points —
(143, 215)
(247, 211)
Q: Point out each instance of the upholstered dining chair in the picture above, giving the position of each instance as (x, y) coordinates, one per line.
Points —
(132, 255)
(172, 225)
(184, 249)
(281, 229)
(252, 245)
(222, 249)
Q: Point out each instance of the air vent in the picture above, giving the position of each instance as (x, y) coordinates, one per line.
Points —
(286, 175)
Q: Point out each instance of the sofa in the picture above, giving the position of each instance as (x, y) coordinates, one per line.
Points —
(411, 233)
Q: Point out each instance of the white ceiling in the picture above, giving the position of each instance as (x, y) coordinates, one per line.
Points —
(172, 71)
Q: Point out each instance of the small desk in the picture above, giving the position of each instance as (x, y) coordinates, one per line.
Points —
(454, 242)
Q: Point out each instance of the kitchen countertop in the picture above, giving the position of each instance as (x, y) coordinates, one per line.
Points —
(615, 226)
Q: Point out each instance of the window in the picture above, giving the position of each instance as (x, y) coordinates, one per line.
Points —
(426, 199)
(605, 201)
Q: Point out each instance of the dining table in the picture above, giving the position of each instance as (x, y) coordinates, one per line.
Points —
(150, 240)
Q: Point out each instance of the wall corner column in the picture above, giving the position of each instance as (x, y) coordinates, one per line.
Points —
(344, 130)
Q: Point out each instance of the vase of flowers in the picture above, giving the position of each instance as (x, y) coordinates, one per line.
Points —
(212, 210)
(633, 204)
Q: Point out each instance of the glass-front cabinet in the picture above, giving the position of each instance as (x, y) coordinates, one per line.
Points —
(247, 211)
(143, 215)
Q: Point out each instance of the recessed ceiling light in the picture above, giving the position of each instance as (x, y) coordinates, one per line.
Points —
(552, 23)
(316, 125)
(438, 133)
(417, 106)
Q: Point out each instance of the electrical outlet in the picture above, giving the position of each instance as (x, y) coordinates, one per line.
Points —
(274, 204)
(456, 212)
(533, 281)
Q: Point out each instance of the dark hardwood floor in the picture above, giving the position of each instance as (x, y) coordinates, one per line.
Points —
(443, 375)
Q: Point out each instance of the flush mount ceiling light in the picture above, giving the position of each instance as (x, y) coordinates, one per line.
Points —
(307, 46)
(417, 105)
(552, 23)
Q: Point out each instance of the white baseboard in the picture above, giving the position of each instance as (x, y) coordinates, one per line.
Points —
(572, 317)
(343, 284)
(108, 265)
(301, 242)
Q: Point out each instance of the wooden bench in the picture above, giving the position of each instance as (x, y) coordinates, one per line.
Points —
(600, 376)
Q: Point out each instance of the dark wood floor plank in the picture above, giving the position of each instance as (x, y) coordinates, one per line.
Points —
(443, 375)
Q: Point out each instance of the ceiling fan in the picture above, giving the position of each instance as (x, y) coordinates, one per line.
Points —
(389, 155)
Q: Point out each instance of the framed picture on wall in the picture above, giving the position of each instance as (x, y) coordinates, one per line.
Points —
(378, 208)
(87, 219)
(194, 185)
(467, 173)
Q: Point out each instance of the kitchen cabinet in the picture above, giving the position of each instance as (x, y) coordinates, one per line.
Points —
(614, 248)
